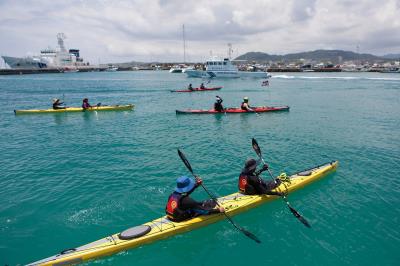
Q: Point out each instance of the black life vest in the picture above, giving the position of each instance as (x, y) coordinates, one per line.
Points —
(242, 106)
(218, 106)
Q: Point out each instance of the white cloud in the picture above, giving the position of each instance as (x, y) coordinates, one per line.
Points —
(152, 30)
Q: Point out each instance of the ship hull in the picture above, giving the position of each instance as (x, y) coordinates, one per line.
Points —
(23, 63)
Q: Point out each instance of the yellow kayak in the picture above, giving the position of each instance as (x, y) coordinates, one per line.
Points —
(162, 228)
(77, 109)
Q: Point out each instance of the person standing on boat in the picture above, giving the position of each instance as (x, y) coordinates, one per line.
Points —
(202, 86)
(86, 104)
(218, 104)
(181, 206)
(250, 182)
(57, 104)
(190, 87)
(245, 105)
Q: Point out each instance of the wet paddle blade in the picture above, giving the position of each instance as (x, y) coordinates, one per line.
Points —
(256, 147)
(250, 235)
(185, 161)
(298, 216)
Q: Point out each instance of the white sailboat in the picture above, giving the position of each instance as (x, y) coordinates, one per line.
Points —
(181, 67)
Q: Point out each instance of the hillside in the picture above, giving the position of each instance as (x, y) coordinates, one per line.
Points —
(317, 55)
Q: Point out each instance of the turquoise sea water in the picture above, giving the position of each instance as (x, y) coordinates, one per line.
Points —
(70, 179)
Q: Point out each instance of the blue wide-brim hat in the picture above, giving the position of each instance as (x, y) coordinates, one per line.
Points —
(184, 184)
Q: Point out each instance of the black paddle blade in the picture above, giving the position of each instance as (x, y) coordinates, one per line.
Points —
(298, 216)
(250, 235)
(185, 161)
(256, 147)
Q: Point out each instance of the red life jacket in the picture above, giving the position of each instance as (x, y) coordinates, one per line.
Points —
(173, 203)
(173, 210)
(242, 183)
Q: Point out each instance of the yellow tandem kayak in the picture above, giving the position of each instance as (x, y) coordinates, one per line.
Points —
(162, 228)
(77, 109)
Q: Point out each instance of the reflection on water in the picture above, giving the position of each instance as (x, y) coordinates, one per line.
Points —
(60, 118)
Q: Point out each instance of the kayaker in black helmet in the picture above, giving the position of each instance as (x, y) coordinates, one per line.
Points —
(57, 104)
(202, 86)
(250, 183)
(218, 104)
(245, 105)
(190, 87)
(181, 206)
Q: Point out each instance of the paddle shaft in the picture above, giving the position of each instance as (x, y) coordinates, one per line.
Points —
(244, 231)
(216, 201)
(257, 149)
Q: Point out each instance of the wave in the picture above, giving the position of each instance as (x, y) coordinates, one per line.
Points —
(334, 77)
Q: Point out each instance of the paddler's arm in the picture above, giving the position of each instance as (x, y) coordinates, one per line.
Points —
(197, 206)
(248, 108)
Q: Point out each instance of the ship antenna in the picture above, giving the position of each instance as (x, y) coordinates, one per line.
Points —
(60, 37)
(229, 51)
(184, 43)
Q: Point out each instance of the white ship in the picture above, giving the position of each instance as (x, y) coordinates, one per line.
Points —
(216, 68)
(177, 68)
(48, 58)
(111, 68)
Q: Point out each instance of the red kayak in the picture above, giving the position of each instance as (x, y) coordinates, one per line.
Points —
(259, 109)
(198, 89)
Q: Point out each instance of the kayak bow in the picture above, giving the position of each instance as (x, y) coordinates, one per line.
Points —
(76, 109)
(260, 109)
(162, 228)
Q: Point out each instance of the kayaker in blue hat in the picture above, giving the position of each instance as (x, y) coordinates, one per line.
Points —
(250, 182)
(181, 206)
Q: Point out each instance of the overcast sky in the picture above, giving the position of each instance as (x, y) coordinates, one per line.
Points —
(150, 30)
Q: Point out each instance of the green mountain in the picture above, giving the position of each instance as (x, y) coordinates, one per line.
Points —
(333, 56)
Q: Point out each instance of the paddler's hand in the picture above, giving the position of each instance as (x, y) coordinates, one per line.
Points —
(199, 181)
(221, 209)
(265, 167)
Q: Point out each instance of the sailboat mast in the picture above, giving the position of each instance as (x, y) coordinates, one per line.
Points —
(184, 43)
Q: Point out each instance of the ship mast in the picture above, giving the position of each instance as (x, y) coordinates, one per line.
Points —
(230, 51)
(184, 43)
(60, 37)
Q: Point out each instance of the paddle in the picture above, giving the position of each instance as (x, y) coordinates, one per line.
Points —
(257, 149)
(239, 228)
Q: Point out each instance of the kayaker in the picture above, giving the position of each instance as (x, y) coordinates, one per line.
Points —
(245, 105)
(218, 104)
(181, 206)
(202, 86)
(250, 182)
(86, 104)
(57, 104)
(190, 87)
